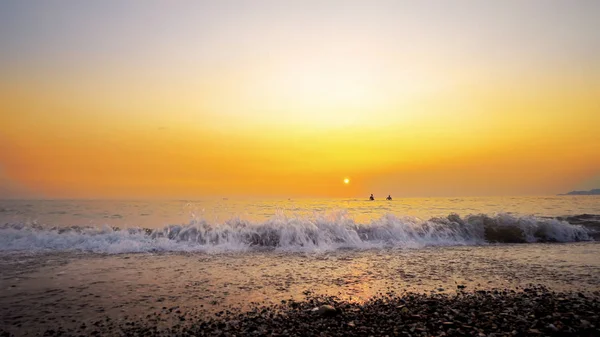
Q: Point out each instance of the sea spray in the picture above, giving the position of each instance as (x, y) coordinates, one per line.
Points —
(320, 232)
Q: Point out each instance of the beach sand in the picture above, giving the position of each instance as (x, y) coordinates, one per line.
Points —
(42, 292)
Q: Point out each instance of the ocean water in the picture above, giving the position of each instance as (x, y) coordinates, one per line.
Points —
(72, 263)
(306, 225)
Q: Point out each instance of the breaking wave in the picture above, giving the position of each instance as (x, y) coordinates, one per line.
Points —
(324, 232)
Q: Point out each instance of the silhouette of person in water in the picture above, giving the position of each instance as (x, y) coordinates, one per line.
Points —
(371, 197)
(389, 197)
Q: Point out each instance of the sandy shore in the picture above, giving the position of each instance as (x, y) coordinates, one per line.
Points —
(68, 290)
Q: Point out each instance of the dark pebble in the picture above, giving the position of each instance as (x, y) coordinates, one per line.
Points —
(535, 311)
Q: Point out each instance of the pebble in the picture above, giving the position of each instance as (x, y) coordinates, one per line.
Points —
(327, 311)
(533, 311)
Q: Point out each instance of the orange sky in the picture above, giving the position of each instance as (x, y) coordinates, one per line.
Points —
(289, 101)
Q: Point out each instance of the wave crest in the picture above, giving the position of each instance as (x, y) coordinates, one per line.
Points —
(322, 232)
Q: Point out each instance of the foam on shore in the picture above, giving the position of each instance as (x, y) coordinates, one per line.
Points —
(321, 232)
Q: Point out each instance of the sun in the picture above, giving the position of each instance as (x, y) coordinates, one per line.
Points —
(346, 181)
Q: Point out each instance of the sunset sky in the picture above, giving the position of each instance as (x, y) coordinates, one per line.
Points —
(120, 99)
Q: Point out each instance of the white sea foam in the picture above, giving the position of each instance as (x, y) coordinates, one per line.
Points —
(321, 232)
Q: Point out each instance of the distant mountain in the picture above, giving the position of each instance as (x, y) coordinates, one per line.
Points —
(595, 191)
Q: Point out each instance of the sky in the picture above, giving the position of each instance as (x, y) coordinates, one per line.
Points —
(181, 99)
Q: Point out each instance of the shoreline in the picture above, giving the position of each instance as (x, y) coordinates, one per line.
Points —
(42, 292)
(532, 311)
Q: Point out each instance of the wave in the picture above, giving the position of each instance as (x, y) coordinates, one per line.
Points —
(321, 232)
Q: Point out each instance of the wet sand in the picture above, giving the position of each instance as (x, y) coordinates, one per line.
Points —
(41, 292)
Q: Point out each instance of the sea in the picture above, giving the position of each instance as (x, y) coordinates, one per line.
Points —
(132, 226)
(68, 263)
